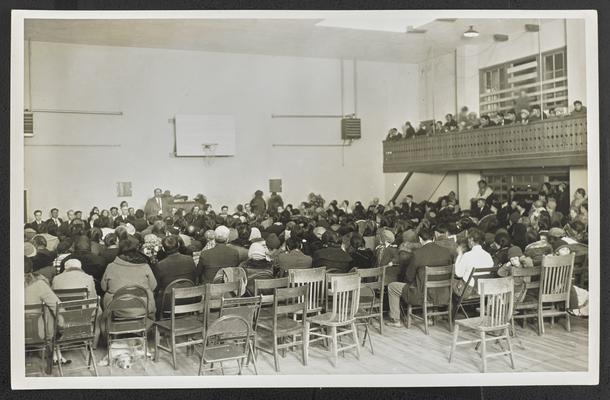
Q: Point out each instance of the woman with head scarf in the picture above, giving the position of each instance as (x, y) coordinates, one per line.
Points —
(258, 265)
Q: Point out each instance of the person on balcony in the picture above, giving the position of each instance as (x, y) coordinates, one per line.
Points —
(579, 109)
(525, 117)
(409, 131)
(522, 102)
(450, 123)
(510, 117)
(393, 135)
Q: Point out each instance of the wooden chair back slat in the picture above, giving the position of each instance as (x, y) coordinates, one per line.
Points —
(33, 315)
(315, 279)
(78, 319)
(496, 297)
(191, 300)
(556, 278)
(72, 294)
(290, 300)
(345, 291)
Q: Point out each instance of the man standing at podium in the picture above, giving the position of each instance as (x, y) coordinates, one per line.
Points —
(156, 205)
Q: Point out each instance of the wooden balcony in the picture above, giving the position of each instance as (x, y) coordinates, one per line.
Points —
(549, 143)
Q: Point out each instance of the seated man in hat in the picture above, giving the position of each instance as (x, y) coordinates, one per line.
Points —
(429, 255)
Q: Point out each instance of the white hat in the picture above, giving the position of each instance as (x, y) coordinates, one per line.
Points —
(222, 233)
(73, 263)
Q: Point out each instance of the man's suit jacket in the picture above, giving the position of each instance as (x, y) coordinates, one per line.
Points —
(332, 258)
(293, 259)
(430, 255)
(50, 222)
(152, 206)
(121, 219)
(37, 226)
(175, 266)
(210, 261)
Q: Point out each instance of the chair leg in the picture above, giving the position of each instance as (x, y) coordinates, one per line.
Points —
(240, 365)
(157, 342)
(253, 358)
(425, 312)
(92, 359)
(409, 313)
(510, 349)
(381, 317)
(456, 330)
(484, 351)
(305, 342)
(333, 344)
(173, 347)
(356, 340)
(200, 364)
(275, 353)
(371, 343)
(108, 346)
(568, 327)
(61, 372)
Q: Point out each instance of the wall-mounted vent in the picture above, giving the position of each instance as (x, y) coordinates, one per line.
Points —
(350, 128)
(28, 124)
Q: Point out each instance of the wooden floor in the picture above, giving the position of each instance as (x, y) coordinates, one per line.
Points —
(399, 351)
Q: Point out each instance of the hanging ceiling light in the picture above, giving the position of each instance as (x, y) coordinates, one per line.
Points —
(470, 33)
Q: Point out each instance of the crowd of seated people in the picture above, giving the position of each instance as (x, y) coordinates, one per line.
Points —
(108, 250)
(523, 113)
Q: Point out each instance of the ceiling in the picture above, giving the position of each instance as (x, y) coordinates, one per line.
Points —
(283, 37)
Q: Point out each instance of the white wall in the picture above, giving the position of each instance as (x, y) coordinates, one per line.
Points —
(576, 51)
(150, 86)
(437, 92)
(578, 179)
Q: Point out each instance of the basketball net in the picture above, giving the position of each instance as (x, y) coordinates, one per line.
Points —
(209, 153)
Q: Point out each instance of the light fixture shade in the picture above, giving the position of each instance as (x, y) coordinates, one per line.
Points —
(471, 32)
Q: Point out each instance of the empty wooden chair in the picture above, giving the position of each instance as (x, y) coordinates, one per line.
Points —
(435, 279)
(264, 288)
(340, 320)
(186, 321)
(287, 302)
(372, 278)
(214, 292)
(496, 310)
(126, 317)
(76, 330)
(555, 285)
(218, 349)
(315, 280)
(248, 308)
(37, 340)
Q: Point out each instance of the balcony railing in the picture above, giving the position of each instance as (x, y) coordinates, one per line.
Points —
(551, 142)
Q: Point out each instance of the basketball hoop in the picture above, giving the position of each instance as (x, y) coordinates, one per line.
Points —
(209, 152)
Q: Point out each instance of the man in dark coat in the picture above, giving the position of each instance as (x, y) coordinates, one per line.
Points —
(37, 223)
(219, 256)
(157, 205)
(429, 255)
(173, 266)
(257, 204)
(332, 256)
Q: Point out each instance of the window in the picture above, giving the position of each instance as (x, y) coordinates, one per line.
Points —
(499, 85)
(526, 182)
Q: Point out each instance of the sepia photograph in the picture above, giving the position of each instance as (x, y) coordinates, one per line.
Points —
(304, 198)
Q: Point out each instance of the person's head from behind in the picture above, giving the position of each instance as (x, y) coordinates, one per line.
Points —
(293, 243)
(82, 244)
(39, 242)
(38, 215)
(464, 110)
(331, 239)
(356, 241)
(222, 234)
(139, 214)
(425, 234)
(129, 245)
(110, 240)
(158, 227)
(95, 235)
(258, 193)
(475, 237)
(170, 244)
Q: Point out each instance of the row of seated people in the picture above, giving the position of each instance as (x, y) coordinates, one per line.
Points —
(468, 120)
